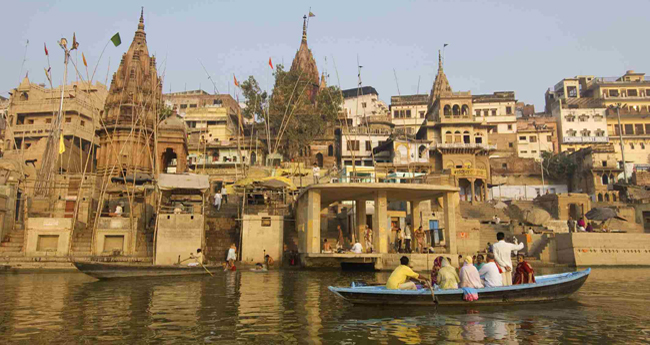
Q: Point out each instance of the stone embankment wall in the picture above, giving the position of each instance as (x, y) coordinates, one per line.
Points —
(604, 249)
(220, 232)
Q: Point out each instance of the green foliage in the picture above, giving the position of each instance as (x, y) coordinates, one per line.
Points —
(165, 112)
(297, 112)
(557, 167)
(256, 100)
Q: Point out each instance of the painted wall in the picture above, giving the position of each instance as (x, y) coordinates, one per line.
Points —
(604, 249)
(258, 239)
(525, 192)
(178, 234)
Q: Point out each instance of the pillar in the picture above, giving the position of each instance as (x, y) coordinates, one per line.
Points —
(471, 181)
(313, 221)
(380, 228)
(416, 220)
(360, 212)
(450, 221)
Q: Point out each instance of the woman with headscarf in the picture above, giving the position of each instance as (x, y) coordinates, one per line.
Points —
(524, 273)
(437, 263)
(447, 276)
(469, 276)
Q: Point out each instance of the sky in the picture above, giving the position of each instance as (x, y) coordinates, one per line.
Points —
(520, 46)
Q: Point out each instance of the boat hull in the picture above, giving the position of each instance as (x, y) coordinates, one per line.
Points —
(117, 271)
(552, 288)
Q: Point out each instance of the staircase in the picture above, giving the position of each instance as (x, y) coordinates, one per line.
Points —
(82, 239)
(13, 246)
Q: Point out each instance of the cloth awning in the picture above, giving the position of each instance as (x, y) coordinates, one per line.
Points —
(169, 182)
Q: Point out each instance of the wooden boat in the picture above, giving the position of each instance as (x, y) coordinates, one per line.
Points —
(121, 270)
(547, 288)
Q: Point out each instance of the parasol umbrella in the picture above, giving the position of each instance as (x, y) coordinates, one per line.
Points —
(602, 214)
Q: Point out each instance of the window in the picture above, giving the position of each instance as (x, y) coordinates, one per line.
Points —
(509, 127)
(533, 139)
(396, 114)
(363, 104)
(466, 137)
(511, 145)
(522, 138)
(68, 119)
(368, 145)
(478, 140)
(523, 152)
(477, 112)
(448, 137)
(266, 221)
(583, 118)
(632, 93)
(631, 146)
(617, 130)
(629, 129)
(192, 105)
(549, 138)
(408, 113)
(457, 137)
(598, 118)
(600, 133)
(504, 165)
(486, 112)
(508, 110)
(638, 129)
(613, 93)
(647, 128)
(533, 151)
(82, 122)
(48, 120)
(585, 132)
(494, 112)
(604, 163)
(572, 91)
(642, 146)
(570, 118)
(30, 122)
(422, 114)
(647, 92)
(353, 145)
(183, 106)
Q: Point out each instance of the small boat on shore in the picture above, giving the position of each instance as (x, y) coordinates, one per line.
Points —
(121, 270)
(547, 288)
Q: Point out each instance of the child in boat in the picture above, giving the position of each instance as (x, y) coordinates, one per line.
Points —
(524, 273)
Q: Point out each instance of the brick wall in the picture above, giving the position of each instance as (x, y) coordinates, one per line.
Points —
(220, 232)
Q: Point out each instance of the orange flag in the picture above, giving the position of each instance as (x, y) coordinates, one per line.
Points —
(270, 63)
(84, 58)
(236, 83)
(45, 46)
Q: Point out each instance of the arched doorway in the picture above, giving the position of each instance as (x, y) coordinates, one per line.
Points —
(168, 161)
(319, 160)
(253, 158)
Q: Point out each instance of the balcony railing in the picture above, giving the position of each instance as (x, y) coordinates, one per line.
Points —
(469, 172)
(463, 146)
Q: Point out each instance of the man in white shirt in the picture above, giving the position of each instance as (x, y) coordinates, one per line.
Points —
(217, 200)
(357, 248)
(502, 251)
(119, 209)
(407, 238)
(316, 172)
(490, 276)
(224, 193)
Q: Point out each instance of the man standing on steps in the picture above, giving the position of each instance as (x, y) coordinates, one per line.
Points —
(217, 200)
(316, 172)
(224, 193)
(502, 252)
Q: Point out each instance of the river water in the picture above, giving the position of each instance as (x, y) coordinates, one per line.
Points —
(295, 307)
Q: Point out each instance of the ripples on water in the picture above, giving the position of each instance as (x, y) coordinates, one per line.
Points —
(283, 307)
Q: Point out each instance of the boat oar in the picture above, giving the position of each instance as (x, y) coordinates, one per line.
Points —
(433, 294)
(206, 269)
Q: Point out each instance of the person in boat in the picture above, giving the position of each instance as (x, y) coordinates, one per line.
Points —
(502, 253)
(480, 261)
(437, 264)
(357, 248)
(197, 258)
(447, 276)
(490, 276)
(524, 273)
(401, 276)
(327, 248)
(469, 276)
(232, 256)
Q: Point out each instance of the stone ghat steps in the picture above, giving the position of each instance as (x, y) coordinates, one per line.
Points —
(15, 242)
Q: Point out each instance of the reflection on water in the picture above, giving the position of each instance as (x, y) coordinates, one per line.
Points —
(288, 307)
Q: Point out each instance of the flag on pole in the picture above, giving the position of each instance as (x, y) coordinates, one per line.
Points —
(75, 44)
(445, 45)
(270, 63)
(311, 14)
(47, 74)
(46, 52)
(116, 39)
(61, 145)
(84, 58)
(236, 83)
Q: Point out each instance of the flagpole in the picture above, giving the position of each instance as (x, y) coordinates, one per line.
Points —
(98, 61)
(20, 76)
(308, 16)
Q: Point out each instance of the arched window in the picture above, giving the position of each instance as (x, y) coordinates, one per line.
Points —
(614, 197)
(455, 110)
(631, 146)
(24, 96)
(466, 137)
(330, 151)
(465, 110)
(448, 137)
(422, 151)
(605, 179)
(447, 110)
(478, 138)
(457, 137)
(607, 197)
(600, 197)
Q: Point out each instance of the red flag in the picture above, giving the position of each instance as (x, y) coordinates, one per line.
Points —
(236, 83)
(46, 52)
(270, 63)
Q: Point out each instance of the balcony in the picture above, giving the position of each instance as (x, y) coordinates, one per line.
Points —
(43, 130)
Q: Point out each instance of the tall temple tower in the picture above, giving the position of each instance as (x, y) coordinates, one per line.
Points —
(304, 63)
(135, 96)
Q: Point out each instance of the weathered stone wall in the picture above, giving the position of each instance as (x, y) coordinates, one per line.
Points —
(220, 232)
(641, 178)
(178, 235)
(262, 234)
(606, 249)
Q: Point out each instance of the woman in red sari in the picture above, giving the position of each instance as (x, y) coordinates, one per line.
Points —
(437, 264)
(524, 274)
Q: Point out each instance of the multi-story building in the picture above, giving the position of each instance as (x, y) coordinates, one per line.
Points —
(597, 170)
(32, 108)
(357, 143)
(534, 136)
(360, 103)
(185, 101)
(408, 112)
(459, 140)
(498, 109)
(580, 123)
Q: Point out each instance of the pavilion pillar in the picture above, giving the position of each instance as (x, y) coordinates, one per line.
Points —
(473, 187)
(313, 221)
(416, 219)
(380, 228)
(360, 212)
(449, 206)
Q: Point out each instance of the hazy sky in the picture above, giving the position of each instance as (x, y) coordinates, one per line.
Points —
(523, 46)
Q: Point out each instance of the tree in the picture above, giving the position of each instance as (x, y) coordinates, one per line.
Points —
(165, 112)
(256, 100)
(298, 111)
(558, 167)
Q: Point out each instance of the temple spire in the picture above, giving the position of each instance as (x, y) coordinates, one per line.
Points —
(439, 60)
(440, 84)
(141, 24)
(304, 28)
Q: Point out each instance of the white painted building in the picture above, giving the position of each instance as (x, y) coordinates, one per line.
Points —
(525, 192)
(408, 112)
(361, 103)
